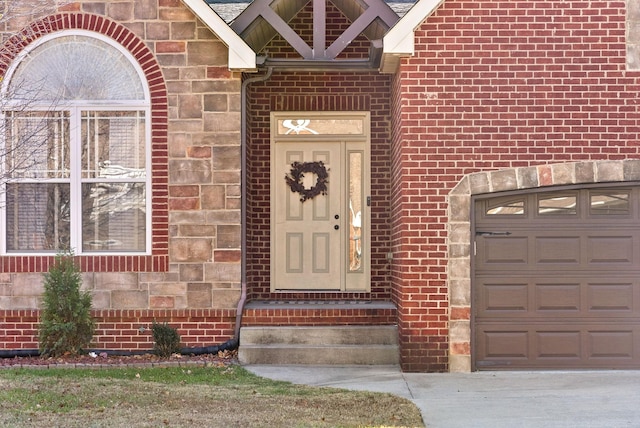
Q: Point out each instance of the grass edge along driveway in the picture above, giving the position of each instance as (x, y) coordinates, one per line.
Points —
(219, 395)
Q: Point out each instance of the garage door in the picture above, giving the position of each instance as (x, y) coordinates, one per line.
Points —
(557, 280)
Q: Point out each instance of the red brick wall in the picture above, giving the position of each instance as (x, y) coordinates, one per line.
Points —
(121, 329)
(307, 316)
(302, 24)
(495, 84)
(317, 92)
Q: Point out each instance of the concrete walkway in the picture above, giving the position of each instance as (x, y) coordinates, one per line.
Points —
(606, 399)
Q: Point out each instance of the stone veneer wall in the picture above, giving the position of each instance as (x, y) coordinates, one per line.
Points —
(460, 208)
(192, 278)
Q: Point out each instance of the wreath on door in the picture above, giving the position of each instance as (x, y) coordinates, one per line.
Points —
(296, 175)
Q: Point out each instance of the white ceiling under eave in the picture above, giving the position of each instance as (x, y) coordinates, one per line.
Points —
(398, 42)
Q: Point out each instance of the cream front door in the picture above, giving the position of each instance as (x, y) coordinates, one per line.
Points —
(320, 240)
(307, 236)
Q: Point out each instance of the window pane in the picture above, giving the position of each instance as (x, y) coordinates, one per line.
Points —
(616, 202)
(557, 204)
(113, 217)
(76, 67)
(113, 144)
(506, 207)
(37, 144)
(302, 126)
(355, 207)
(37, 216)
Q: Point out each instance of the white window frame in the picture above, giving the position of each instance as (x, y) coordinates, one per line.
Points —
(75, 109)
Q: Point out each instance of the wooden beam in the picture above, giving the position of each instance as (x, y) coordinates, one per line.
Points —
(354, 30)
(319, 28)
(287, 32)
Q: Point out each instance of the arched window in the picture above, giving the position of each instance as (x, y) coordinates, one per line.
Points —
(76, 149)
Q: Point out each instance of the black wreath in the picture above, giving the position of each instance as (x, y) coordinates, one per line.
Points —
(295, 176)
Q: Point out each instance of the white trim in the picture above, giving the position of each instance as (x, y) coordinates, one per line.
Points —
(400, 40)
(241, 56)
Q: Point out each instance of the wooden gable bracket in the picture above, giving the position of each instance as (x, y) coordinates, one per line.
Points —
(263, 19)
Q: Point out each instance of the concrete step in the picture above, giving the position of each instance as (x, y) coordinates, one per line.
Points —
(330, 345)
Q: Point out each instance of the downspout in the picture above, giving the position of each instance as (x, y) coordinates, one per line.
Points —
(232, 343)
(243, 193)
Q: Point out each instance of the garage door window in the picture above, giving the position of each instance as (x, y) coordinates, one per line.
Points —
(506, 207)
(609, 203)
(557, 204)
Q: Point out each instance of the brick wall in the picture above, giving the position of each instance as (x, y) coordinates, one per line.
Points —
(495, 85)
(302, 24)
(126, 330)
(286, 91)
(633, 35)
(310, 316)
(196, 166)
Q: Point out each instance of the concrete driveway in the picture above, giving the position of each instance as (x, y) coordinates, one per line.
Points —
(490, 399)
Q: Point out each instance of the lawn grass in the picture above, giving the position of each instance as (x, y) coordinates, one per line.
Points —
(227, 396)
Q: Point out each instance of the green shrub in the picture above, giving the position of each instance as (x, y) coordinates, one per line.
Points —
(66, 325)
(166, 340)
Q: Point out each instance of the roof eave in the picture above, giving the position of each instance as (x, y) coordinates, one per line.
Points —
(399, 40)
(241, 56)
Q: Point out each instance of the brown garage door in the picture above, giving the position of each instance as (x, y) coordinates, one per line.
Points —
(557, 280)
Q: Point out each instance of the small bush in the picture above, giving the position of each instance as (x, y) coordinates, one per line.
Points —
(166, 340)
(66, 325)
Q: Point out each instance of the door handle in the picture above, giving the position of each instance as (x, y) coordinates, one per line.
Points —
(336, 227)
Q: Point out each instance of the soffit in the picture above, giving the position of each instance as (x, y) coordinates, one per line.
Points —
(391, 36)
(262, 20)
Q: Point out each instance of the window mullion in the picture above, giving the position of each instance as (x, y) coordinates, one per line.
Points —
(148, 176)
(3, 187)
(76, 179)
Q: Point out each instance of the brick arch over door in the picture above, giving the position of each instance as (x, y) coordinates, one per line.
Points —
(460, 208)
(158, 260)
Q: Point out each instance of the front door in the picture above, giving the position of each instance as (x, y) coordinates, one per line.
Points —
(319, 203)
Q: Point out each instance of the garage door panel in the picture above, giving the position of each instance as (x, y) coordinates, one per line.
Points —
(610, 344)
(516, 297)
(557, 344)
(541, 345)
(507, 297)
(611, 298)
(588, 249)
(547, 298)
(500, 344)
(554, 298)
(610, 249)
(557, 250)
(495, 252)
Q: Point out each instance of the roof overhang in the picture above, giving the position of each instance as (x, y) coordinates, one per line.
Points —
(397, 43)
(241, 56)
(399, 40)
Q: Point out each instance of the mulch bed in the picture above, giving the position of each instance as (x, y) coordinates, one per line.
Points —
(103, 360)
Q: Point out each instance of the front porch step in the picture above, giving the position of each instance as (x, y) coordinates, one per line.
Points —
(319, 345)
